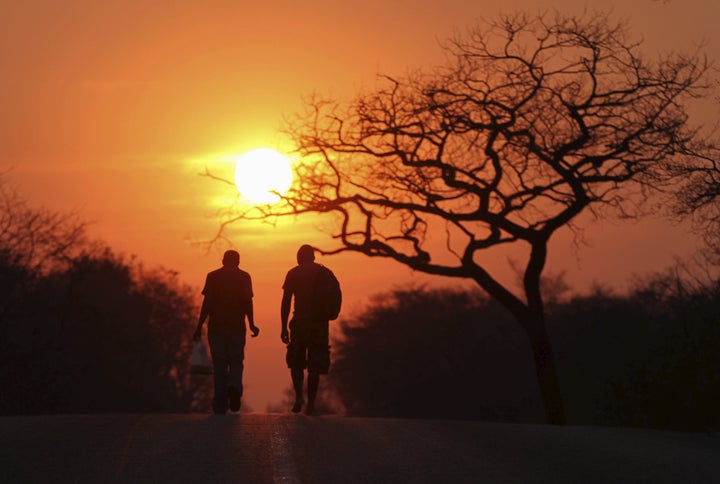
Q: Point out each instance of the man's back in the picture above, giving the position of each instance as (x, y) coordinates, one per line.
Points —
(300, 280)
(228, 291)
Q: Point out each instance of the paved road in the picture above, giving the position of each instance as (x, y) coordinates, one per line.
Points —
(261, 448)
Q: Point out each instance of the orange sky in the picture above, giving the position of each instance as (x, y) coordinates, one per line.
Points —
(113, 108)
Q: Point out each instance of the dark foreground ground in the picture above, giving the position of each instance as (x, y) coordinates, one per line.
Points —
(262, 448)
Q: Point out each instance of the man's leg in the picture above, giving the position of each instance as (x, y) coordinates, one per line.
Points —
(297, 361)
(313, 381)
(318, 364)
(220, 361)
(236, 347)
(298, 375)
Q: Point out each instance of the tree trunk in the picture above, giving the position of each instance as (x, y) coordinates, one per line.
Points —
(531, 317)
(545, 369)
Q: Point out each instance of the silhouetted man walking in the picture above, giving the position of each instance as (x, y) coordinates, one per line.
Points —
(227, 302)
(317, 301)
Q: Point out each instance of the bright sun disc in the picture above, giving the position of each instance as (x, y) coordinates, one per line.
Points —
(260, 172)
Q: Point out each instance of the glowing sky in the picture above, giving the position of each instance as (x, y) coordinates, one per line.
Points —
(114, 107)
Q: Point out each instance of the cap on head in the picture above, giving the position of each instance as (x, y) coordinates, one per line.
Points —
(305, 254)
(231, 258)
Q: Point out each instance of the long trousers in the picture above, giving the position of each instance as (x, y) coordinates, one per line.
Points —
(227, 347)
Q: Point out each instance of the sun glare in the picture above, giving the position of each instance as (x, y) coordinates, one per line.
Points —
(261, 174)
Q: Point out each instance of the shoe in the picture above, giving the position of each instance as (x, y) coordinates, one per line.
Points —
(234, 395)
(310, 409)
(298, 406)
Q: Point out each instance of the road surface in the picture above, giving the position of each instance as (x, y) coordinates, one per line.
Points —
(274, 448)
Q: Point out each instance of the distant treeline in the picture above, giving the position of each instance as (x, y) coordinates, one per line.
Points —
(650, 358)
(85, 330)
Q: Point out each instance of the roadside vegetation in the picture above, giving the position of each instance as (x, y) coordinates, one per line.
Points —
(85, 329)
(648, 358)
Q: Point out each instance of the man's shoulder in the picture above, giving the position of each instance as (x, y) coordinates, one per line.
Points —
(291, 274)
(295, 270)
(308, 269)
(325, 271)
(213, 274)
(225, 273)
(302, 272)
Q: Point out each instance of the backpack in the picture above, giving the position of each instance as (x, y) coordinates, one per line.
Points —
(327, 294)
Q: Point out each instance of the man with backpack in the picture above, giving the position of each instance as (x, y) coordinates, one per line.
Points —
(317, 300)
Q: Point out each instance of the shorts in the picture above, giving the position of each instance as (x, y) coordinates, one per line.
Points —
(308, 347)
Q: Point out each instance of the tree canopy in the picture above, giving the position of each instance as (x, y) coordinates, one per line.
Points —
(531, 121)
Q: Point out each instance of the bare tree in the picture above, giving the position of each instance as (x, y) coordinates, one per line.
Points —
(531, 121)
(695, 193)
(36, 239)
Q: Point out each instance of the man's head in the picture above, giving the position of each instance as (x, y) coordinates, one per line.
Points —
(231, 258)
(305, 254)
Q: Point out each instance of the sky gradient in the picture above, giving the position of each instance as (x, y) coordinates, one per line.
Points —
(114, 109)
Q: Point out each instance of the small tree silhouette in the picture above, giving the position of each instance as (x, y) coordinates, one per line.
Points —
(532, 121)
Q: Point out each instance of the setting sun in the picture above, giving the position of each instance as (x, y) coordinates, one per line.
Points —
(262, 174)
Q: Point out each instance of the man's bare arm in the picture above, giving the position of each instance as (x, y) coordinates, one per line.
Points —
(284, 315)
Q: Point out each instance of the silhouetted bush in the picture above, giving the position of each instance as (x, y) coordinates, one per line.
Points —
(100, 336)
(650, 358)
(83, 329)
(439, 353)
